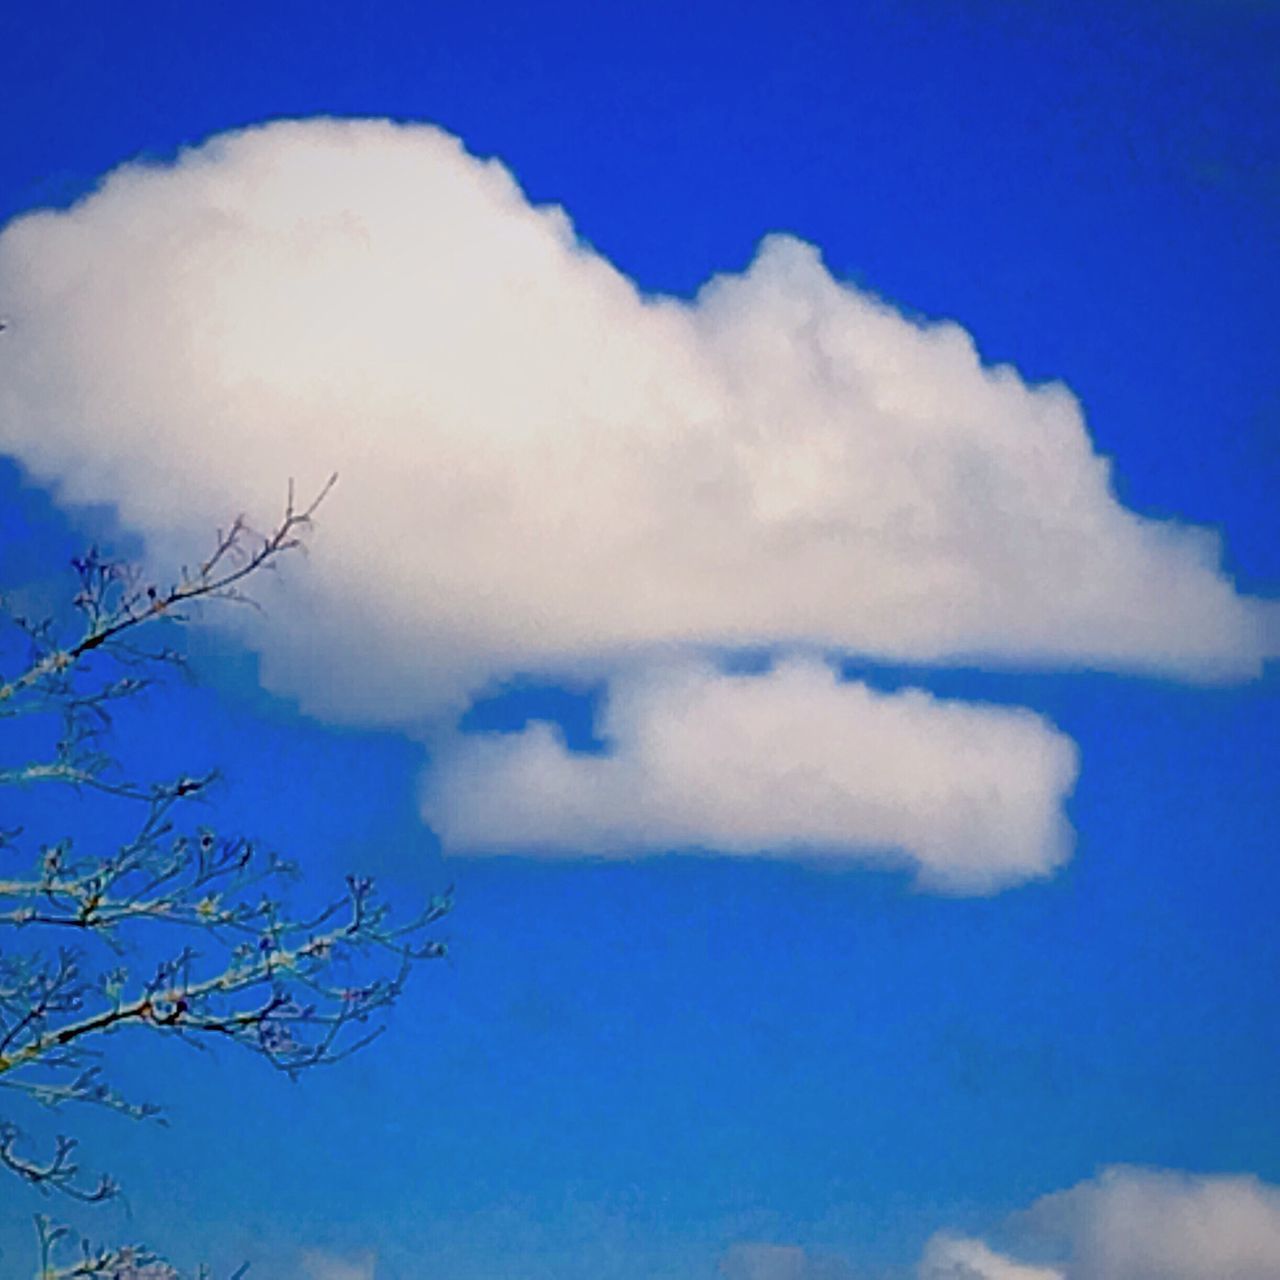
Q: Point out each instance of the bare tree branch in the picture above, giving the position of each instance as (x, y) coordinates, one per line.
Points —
(237, 963)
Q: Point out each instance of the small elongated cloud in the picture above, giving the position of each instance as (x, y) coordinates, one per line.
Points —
(764, 1262)
(1136, 1224)
(793, 761)
(543, 468)
(760, 1261)
(325, 1266)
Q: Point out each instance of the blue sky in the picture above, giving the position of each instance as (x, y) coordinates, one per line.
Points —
(740, 1059)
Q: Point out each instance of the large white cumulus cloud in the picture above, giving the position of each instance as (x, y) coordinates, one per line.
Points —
(971, 796)
(1136, 1224)
(1152, 1224)
(542, 468)
(1125, 1224)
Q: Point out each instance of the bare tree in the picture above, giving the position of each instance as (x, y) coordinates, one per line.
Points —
(236, 962)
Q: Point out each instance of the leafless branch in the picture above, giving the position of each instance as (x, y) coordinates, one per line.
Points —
(237, 963)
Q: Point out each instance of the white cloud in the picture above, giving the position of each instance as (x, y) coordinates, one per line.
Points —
(759, 1261)
(1125, 1224)
(1135, 1224)
(324, 1266)
(791, 761)
(543, 469)
(764, 1262)
(948, 1257)
(1146, 1224)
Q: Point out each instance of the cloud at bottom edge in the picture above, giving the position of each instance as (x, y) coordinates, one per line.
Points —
(1126, 1223)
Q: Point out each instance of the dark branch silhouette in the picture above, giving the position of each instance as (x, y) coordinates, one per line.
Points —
(299, 989)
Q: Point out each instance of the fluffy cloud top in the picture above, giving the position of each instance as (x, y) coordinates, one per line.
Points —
(791, 760)
(1136, 1224)
(1140, 1224)
(1126, 1224)
(542, 468)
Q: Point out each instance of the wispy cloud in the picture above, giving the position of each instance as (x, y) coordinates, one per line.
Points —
(325, 1266)
(948, 1257)
(793, 761)
(542, 468)
(760, 1261)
